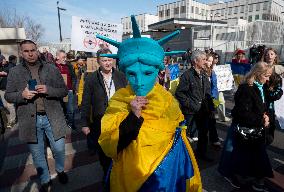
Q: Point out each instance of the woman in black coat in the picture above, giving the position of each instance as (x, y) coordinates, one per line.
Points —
(250, 162)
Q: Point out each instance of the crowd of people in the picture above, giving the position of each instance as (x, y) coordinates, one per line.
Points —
(132, 114)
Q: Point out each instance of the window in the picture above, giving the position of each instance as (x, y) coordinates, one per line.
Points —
(250, 18)
(265, 17)
(250, 8)
(192, 9)
(222, 12)
(196, 10)
(241, 17)
(265, 5)
(257, 8)
(182, 9)
(202, 11)
(256, 17)
(168, 12)
(242, 9)
(236, 10)
(161, 14)
(230, 11)
(176, 11)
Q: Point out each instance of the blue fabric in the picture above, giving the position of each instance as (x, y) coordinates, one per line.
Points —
(70, 108)
(174, 170)
(214, 88)
(240, 68)
(225, 167)
(38, 150)
(174, 71)
(260, 88)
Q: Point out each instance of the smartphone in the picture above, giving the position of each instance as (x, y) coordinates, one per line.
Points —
(32, 84)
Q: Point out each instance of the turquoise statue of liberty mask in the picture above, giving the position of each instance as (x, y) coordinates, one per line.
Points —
(140, 58)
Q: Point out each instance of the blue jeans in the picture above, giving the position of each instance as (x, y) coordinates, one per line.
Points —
(38, 149)
(70, 108)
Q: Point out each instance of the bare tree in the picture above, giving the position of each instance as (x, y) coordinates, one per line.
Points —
(9, 18)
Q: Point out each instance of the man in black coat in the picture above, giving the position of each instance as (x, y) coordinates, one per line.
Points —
(99, 87)
(194, 96)
(4, 71)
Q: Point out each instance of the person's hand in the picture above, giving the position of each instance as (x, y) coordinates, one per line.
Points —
(27, 94)
(137, 104)
(86, 130)
(3, 73)
(266, 120)
(41, 89)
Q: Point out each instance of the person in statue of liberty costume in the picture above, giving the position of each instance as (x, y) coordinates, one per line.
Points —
(141, 130)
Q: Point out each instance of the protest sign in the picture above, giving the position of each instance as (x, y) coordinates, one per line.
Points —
(224, 77)
(84, 31)
(92, 64)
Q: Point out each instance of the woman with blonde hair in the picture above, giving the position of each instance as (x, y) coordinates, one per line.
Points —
(209, 65)
(275, 86)
(244, 163)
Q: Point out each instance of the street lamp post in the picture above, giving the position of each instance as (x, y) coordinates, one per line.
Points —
(59, 22)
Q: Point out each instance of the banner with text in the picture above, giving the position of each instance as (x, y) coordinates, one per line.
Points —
(224, 77)
(83, 37)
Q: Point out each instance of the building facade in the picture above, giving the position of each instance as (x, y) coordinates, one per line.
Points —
(9, 40)
(143, 21)
(250, 10)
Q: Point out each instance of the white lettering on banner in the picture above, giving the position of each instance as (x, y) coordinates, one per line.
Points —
(225, 77)
(84, 33)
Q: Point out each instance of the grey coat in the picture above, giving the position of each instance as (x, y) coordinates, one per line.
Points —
(26, 109)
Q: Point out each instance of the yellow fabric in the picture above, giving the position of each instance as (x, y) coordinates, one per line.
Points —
(238, 79)
(173, 86)
(216, 103)
(80, 90)
(133, 165)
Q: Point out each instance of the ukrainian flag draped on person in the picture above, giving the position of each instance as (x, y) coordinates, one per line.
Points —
(160, 158)
(134, 165)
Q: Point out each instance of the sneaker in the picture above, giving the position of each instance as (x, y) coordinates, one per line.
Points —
(217, 144)
(194, 139)
(233, 181)
(221, 139)
(259, 186)
(62, 177)
(190, 139)
(256, 187)
(45, 187)
(227, 119)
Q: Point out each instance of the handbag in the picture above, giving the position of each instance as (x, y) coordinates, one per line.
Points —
(247, 135)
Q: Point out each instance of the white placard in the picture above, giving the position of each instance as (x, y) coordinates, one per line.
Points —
(84, 31)
(224, 77)
(279, 108)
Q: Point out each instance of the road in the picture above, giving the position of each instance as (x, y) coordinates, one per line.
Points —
(18, 174)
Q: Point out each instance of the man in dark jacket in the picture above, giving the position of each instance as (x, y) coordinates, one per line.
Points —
(193, 94)
(4, 71)
(67, 70)
(39, 109)
(99, 87)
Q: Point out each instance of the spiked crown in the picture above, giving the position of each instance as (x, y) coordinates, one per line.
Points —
(140, 49)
